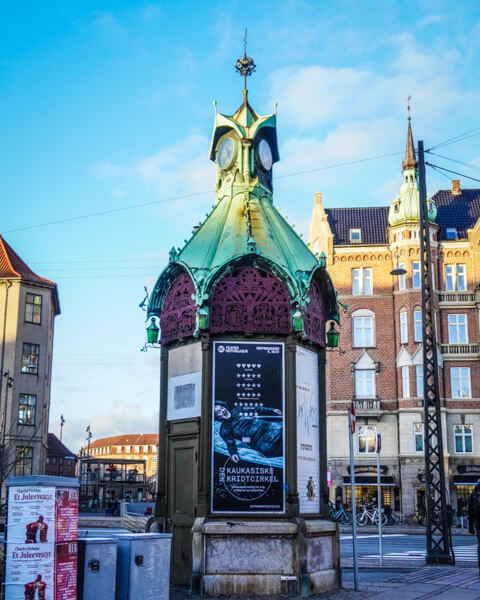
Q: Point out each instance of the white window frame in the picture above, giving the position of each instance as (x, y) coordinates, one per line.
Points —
(418, 432)
(449, 231)
(353, 233)
(419, 380)
(365, 384)
(416, 275)
(403, 327)
(362, 281)
(406, 382)
(455, 277)
(460, 375)
(461, 273)
(363, 321)
(369, 432)
(402, 284)
(462, 434)
(457, 325)
(417, 325)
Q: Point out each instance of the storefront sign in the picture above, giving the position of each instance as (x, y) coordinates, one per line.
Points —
(248, 428)
(369, 469)
(308, 428)
(462, 469)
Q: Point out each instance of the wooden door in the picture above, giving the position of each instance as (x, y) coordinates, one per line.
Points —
(182, 497)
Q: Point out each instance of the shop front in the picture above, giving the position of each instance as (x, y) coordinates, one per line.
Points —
(464, 483)
(366, 489)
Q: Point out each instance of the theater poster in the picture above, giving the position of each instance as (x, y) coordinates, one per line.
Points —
(248, 440)
(308, 430)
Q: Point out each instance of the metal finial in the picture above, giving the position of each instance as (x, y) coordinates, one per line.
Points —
(408, 107)
(245, 65)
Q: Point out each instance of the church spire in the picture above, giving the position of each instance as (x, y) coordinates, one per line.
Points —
(410, 161)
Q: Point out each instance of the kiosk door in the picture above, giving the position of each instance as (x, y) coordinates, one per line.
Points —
(182, 495)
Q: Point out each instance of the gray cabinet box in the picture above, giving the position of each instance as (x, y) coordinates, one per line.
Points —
(97, 568)
(143, 566)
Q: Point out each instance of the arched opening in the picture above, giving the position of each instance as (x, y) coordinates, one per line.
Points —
(177, 319)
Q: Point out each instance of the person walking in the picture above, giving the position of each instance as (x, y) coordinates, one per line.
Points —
(474, 516)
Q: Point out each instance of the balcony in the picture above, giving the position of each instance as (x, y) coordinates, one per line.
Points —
(458, 298)
(367, 406)
(460, 350)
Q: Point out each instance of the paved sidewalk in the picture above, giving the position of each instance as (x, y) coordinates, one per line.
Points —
(440, 583)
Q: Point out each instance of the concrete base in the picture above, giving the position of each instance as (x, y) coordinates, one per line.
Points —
(245, 557)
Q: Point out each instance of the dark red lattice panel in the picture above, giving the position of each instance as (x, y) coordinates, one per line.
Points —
(315, 316)
(250, 299)
(178, 315)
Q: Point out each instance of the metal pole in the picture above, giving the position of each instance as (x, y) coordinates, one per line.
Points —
(379, 493)
(354, 507)
(438, 534)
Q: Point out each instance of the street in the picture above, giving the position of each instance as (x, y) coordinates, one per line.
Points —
(403, 549)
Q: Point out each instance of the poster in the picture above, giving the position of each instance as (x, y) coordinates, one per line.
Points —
(66, 514)
(248, 428)
(66, 571)
(29, 571)
(31, 515)
(308, 438)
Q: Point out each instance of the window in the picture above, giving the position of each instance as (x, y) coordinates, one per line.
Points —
(30, 353)
(137, 449)
(403, 327)
(362, 282)
(401, 278)
(418, 437)
(416, 281)
(419, 377)
(154, 459)
(457, 329)
(366, 439)
(362, 331)
(23, 460)
(406, 382)
(463, 438)
(355, 235)
(26, 409)
(460, 382)
(128, 449)
(417, 325)
(455, 278)
(451, 233)
(364, 383)
(33, 308)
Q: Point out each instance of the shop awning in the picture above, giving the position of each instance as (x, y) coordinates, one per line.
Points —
(369, 480)
(466, 479)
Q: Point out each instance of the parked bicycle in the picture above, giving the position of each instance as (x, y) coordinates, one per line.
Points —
(415, 519)
(371, 515)
(342, 515)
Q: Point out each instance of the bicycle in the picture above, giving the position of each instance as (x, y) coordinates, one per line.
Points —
(416, 519)
(341, 515)
(370, 514)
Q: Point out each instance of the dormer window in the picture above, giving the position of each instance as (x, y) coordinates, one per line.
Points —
(355, 235)
(451, 233)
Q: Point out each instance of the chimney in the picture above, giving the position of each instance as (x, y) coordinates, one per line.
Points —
(456, 190)
(318, 197)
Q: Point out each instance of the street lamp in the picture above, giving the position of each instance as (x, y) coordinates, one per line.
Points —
(332, 336)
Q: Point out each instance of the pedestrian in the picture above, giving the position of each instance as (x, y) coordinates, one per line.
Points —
(474, 516)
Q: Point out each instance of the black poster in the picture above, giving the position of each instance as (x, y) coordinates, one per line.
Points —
(248, 428)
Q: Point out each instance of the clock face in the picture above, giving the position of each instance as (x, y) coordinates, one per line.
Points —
(265, 155)
(226, 153)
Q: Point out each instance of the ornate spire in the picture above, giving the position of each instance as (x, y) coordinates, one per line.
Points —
(245, 67)
(410, 161)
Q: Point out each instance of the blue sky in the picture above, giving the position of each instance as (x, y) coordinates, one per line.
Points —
(107, 105)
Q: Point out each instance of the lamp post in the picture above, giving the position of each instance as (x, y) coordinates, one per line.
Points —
(9, 384)
(62, 422)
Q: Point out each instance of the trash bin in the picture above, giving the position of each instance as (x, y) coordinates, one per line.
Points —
(97, 568)
(143, 566)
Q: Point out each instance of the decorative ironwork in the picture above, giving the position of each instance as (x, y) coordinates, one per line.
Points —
(439, 541)
(245, 65)
(250, 299)
(315, 315)
(177, 319)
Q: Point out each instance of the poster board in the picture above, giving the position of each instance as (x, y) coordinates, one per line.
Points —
(308, 431)
(248, 425)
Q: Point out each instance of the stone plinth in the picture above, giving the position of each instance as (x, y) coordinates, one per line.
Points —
(249, 557)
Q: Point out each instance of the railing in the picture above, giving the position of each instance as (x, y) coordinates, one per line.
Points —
(460, 349)
(367, 406)
(458, 297)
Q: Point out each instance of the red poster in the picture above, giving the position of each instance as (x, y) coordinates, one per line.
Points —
(66, 571)
(66, 514)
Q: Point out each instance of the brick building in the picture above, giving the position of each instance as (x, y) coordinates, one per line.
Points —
(60, 460)
(382, 365)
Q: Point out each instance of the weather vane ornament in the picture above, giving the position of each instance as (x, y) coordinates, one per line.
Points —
(245, 65)
(408, 107)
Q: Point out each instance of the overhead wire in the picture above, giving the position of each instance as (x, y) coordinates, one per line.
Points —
(450, 171)
(458, 138)
(454, 160)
